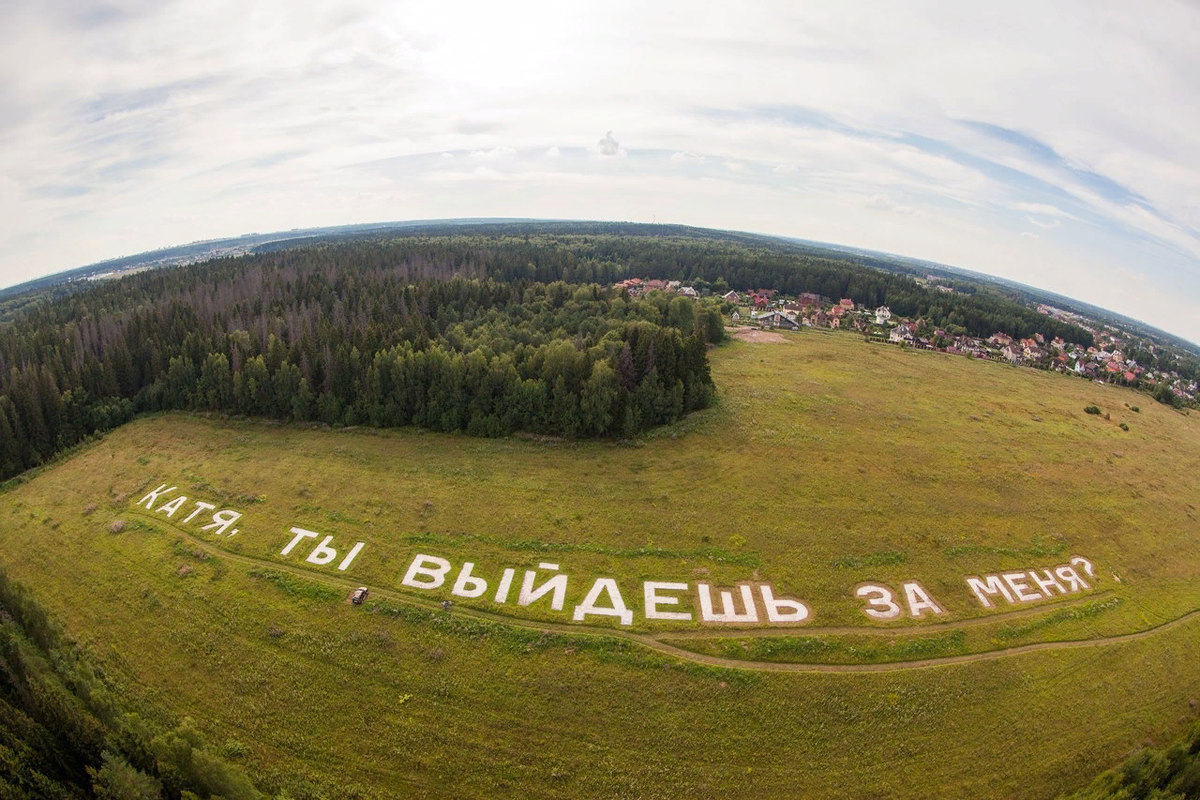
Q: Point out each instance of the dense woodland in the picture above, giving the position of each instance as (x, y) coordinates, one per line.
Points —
(1168, 773)
(488, 335)
(65, 732)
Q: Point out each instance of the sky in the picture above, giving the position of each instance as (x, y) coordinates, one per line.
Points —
(1053, 143)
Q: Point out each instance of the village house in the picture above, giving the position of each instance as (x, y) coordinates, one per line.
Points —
(732, 296)
(846, 303)
(809, 299)
(777, 319)
(633, 286)
(882, 315)
(903, 333)
(999, 339)
(1013, 353)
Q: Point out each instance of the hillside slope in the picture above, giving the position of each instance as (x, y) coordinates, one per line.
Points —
(828, 463)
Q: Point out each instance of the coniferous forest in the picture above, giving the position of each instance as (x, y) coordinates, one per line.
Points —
(487, 334)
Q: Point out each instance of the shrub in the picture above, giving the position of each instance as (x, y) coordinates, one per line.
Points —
(1091, 409)
(1124, 427)
(1135, 409)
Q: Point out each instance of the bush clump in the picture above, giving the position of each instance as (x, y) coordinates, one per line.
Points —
(1124, 427)
(1091, 409)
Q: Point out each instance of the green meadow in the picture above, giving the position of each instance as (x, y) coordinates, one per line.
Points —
(826, 463)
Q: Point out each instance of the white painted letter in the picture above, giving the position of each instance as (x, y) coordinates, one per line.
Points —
(1087, 565)
(919, 600)
(199, 507)
(727, 611)
(172, 506)
(467, 586)
(558, 584)
(322, 553)
(885, 608)
(300, 534)
(1071, 578)
(349, 556)
(222, 520)
(993, 586)
(782, 610)
(505, 582)
(654, 600)
(1016, 581)
(152, 498)
(1045, 585)
(436, 576)
(588, 606)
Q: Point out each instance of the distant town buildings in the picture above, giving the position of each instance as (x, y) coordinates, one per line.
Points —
(1107, 361)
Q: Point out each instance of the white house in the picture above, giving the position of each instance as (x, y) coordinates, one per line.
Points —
(777, 319)
(882, 315)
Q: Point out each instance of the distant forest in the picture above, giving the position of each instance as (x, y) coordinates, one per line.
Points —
(488, 335)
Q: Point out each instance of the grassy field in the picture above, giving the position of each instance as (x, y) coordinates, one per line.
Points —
(828, 463)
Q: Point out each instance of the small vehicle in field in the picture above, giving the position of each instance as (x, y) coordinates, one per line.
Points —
(360, 594)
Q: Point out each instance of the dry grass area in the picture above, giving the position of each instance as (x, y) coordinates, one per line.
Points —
(827, 462)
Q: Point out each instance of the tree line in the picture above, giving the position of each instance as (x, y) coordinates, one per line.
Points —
(348, 335)
(487, 334)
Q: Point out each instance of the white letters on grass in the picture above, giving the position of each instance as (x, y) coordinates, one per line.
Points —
(742, 604)
(323, 554)
(1028, 586)
(881, 603)
(221, 520)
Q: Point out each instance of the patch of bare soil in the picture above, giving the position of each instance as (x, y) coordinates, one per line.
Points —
(755, 335)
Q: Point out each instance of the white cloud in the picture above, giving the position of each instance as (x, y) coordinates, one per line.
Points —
(881, 202)
(494, 154)
(609, 146)
(166, 124)
(1042, 209)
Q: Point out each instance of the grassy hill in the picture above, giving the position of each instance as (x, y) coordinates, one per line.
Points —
(828, 463)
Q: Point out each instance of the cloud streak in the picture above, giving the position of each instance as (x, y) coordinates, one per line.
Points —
(1049, 143)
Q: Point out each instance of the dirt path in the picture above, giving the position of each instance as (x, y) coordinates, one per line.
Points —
(653, 641)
